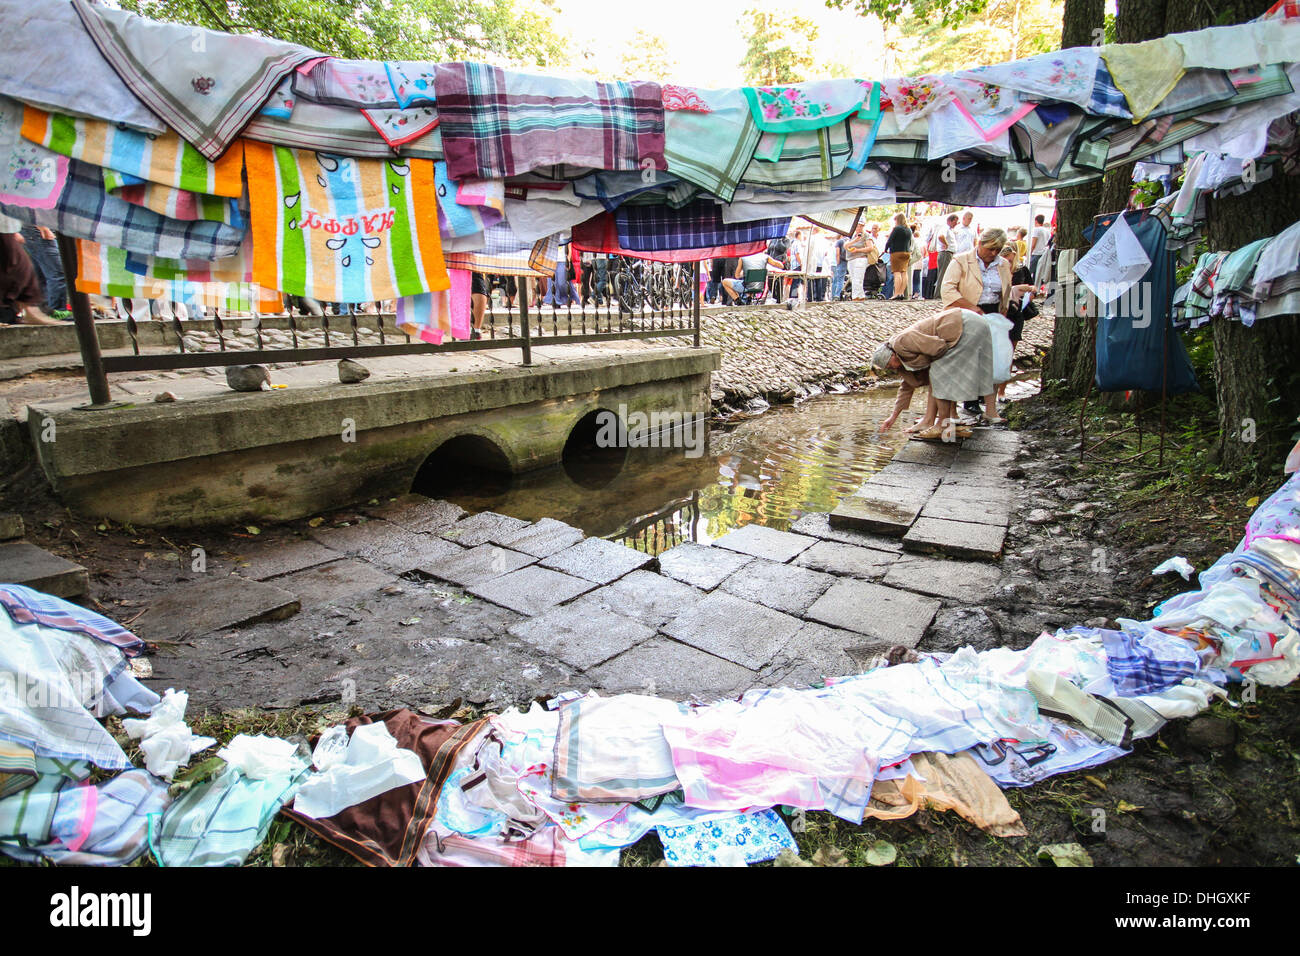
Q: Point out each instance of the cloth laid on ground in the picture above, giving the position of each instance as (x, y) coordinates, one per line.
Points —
(966, 369)
(17, 768)
(810, 106)
(712, 150)
(1066, 750)
(43, 41)
(600, 235)
(371, 764)
(340, 229)
(206, 93)
(1117, 720)
(431, 316)
(54, 683)
(1142, 660)
(165, 159)
(942, 782)
(612, 749)
(728, 841)
(350, 83)
(498, 123)
(1066, 75)
(165, 738)
(1145, 72)
(546, 847)
(389, 829)
(699, 225)
(25, 606)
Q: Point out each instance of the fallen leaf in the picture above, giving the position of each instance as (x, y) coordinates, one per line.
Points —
(315, 522)
(253, 529)
(1125, 807)
(1065, 854)
(1253, 502)
(830, 856)
(882, 853)
(1094, 781)
(409, 621)
(789, 857)
(280, 854)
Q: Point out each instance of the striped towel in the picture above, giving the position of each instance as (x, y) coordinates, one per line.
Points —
(26, 605)
(105, 270)
(431, 315)
(165, 159)
(467, 208)
(17, 768)
(340, 229)
(497, 123)
(101, 270)
(172, 202)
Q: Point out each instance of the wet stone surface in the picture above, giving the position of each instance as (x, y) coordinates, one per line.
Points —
(700, 566)
(767, 543)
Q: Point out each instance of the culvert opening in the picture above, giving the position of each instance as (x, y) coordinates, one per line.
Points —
(464, 465)
(596, 450)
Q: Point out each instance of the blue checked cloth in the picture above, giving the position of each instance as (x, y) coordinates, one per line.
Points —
(26, 606)
(698, 225)
(1143, 660)
(1107, 100)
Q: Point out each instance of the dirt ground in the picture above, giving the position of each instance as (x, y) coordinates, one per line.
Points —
(1222, 789)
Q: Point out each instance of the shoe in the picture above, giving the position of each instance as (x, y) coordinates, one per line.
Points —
(475, 334)
(63, 315)
(975, 408)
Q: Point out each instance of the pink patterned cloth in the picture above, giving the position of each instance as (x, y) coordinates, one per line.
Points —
(684, 98)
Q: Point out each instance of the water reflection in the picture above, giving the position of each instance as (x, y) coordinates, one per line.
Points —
(771, 469)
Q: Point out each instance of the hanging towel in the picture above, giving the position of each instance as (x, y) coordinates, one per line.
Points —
(600, 235)
(206, 85)
(988, 108)
(350, 83)
(712, 149)
(1107, 98)
(801, 157)
(466, 209)
(809, 106)
(340, 229)
(334, 129)
(504, 253)
(176, 203)
(952, 131)
(410, 81)
(431, 315)
(1145, 72)
(497, 123)
(398, 126)
(910, 98)
(29, 175)
(658, 228)
(684, 98)
(1066, 75)
(101, 270)
(165, 159)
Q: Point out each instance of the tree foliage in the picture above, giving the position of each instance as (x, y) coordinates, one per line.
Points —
(947, 12)
(646, 57)
(499, 31)
(779, 47)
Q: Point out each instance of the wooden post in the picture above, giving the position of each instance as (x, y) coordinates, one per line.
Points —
(87, 337)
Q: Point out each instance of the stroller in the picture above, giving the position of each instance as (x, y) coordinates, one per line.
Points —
(873, 279)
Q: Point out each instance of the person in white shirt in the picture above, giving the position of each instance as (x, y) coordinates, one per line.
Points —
(945, 240)
(1037, 242)
(963, 236)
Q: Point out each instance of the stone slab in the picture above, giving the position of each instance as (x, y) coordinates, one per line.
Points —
(386, 544)
(927, 453)
(581, 636)
(847, 560)
(543, 538)
(883, 614)
(818, 525)
(815, 653)
(978, 479)
(973, 510)
(22, 562)
(418, 513)
(971, 582)
(214, 604)
(761, 542)
(336, 581)
(909, 474)
(879, 511)
(781, 587)
(270, 559)
(644, 596)
(477, 565)
(484, 527)
(11, 527)
(991, 462)
(598, 560)
(744, 633)
(958, 539)
(530, 590)
(699, 565)
(992, 439)
(995, 496)
(667, 668)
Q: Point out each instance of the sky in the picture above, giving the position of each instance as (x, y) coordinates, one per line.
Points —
(704, 36)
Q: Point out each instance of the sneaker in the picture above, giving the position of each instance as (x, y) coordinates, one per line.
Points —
(63, 315)
(475, 334)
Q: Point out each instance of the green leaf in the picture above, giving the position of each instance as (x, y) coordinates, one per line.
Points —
(1064, 854)
(882, 853)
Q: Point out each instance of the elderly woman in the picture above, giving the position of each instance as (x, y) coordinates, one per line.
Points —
(916, 352)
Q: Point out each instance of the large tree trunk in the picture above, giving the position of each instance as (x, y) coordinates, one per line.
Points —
(1071, 341)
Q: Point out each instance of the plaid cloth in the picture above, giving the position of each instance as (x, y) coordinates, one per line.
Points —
(1107, 100)
(599, 234)
(497, 123)
(659, 228)
(611, 750)
(17, 767)
(86, 211)
(713, 149)
(785, 158)
(25, 606)
(1143, 660)
(503, 253)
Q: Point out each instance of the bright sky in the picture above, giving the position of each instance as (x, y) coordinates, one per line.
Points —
(704, 36)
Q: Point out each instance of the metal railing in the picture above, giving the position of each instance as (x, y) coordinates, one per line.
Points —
(614, 298)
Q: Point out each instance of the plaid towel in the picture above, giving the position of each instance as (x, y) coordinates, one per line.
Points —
(25, 605)
(599, 234)
(104, 270)
(106, 824)
(504, 253)
(659, 228)
(497, 123)
(712, 149)
(206, 85)
(431, 315)
(17, 768)
(1143, 660)
(340, 229)
(165, 159)
(785, 158)
(1107, 100)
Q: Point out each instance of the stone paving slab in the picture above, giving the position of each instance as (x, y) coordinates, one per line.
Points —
(978, 479)
(781, 587)
(818, 525)
(762, 542)
(883, 614)
(927, 453)
(998, 496)
(418, 513)
(214, 604)
(530, 590)
(744, 633)
(477, 565)
(958, 539)
(994, 462)
(272, 558)
(644, 596)
(22, 562)
(909, 475)
(386, 544)
(888, 511)
(336, 581)
(484, 527)
(975, 510)
(699, 565)
(992, 439)
(582, 636)
(543, 538)
(669, 668)
(847, 560)
(971, 582)
(813, 654)
(598, 560)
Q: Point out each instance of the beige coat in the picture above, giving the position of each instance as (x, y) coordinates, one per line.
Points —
(922, 342)
(962, 281)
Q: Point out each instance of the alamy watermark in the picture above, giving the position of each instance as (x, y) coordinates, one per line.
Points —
(624, 429)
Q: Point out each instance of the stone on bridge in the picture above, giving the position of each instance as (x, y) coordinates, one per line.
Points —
(958, 539)
(214, 604)
(847, 560)
(884, 614)
(543, 538)
(781, 587)
(598, 560)
(745, 633)
(880, 508)
(477, 565)
(669, 668)
(970, 582)
(482, 528)
(581, 636)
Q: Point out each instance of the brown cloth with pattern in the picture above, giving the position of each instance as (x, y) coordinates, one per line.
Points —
(19, 285)
(387, 830)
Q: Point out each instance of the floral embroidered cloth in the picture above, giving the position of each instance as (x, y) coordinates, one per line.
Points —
(683, 98)
(910, 98)
(410, 81)
(29, 175)
(352, 83)
(729, 841)
(810, 106)
(398, 126)
(1060, 75)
